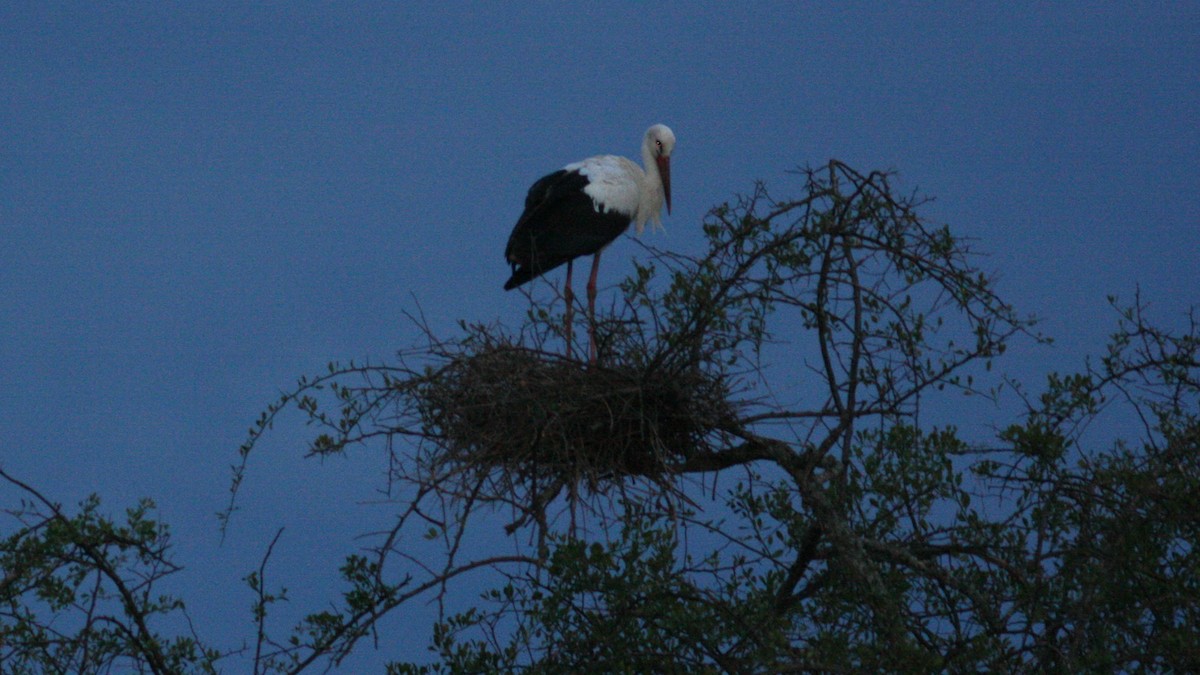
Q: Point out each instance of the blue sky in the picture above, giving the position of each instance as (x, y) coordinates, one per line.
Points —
(200, 203)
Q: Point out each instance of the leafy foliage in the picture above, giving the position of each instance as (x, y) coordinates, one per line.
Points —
(78, 592)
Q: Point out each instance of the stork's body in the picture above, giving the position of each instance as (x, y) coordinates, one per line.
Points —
(583, 207)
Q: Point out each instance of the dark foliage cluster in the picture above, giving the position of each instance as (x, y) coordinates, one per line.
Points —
(79, 592)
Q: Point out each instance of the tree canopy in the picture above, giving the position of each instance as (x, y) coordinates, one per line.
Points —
(768, 469)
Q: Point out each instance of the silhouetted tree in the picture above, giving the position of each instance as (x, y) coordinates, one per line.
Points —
(765, 471)
(78, 593)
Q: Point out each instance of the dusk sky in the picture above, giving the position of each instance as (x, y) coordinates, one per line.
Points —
(199, 203)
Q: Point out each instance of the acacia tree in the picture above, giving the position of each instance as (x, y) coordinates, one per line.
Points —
(748, 479)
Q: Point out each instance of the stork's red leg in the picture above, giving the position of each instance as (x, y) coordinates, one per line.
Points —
(569, 296)
(591, 294)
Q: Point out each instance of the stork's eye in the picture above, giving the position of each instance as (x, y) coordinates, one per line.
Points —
(659, 144)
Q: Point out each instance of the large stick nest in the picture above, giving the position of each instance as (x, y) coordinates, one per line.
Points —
(530, 415)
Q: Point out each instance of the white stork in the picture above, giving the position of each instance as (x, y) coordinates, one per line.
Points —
(583, 207)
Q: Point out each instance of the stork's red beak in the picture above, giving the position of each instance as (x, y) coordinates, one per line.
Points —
(664, 170)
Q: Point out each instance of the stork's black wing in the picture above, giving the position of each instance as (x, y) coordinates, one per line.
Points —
(560, 223)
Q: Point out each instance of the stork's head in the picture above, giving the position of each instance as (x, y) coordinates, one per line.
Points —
(658, 146)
